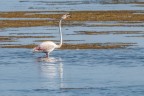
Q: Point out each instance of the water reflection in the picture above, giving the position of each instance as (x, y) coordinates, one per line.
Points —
(51, 70)
(51, 59)
(52, 74)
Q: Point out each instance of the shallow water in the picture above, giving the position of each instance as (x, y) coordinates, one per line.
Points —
(77, 72)
(69, 5)
(71, 34)
(97, 72)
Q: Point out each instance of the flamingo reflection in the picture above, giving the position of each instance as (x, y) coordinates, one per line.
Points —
(52, 74)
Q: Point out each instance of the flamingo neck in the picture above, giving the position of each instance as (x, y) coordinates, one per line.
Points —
(60, 32)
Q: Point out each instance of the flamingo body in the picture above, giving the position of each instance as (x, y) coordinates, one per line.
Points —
(45, 47)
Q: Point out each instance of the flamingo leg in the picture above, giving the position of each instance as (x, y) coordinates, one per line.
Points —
(47, 55)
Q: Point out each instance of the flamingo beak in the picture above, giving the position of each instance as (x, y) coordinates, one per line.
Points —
(69, 16)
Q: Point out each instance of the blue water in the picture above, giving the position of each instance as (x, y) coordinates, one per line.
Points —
(91, 72)
(69, 5)
(113, 72)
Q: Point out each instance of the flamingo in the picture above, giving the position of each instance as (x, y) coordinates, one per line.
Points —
(49, 46)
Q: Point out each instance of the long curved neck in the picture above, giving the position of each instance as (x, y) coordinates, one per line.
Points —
(60, 32)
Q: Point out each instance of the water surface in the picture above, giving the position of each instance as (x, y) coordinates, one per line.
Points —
(78, 72)
(70, 5)
(87, 72)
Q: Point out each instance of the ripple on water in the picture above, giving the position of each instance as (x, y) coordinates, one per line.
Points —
(45, 5)
(50, 59)
(84, 72)
(105, 72)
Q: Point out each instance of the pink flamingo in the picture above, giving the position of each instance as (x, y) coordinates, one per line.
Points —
(49, 46)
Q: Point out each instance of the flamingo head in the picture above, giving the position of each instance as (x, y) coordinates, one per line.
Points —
(65, 16)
